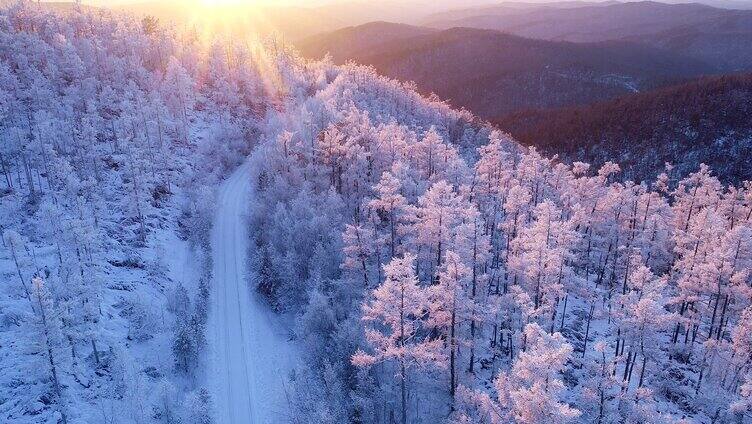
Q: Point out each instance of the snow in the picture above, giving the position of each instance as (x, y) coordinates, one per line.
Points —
(251, 354)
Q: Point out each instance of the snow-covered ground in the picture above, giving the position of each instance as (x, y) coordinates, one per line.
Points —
(251, 351)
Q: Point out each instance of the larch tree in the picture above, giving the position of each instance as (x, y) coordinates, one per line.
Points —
(641, 316)
(436, 217)
(542, 255)
(359, 249)
(449, 306)
(15, 243)
(47, 336)
(178, 88)
(529, 393)
(397, 314)
(389, 206)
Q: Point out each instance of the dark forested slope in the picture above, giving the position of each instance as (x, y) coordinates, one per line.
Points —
(493, 73)
(707, 120)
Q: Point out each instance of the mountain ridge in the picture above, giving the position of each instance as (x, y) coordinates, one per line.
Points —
(526, 72)
(693, 29)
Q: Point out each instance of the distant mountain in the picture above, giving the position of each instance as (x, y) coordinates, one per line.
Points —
(725, 42)
(696, 30)
(357, 12)
(474, 14)
(363, 41)
(703, 121)
(587, 22)
(727, 4)
(493, 73)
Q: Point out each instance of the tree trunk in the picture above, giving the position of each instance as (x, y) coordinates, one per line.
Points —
(719, 334)
(452, 354)
(20, 275)
(678, 325)
(564, 312)
(94, 348)
(403, 370)
(6, 172)
(642, 371)
(715, 310)
(587, 328)
(403, 391)
(626, 367)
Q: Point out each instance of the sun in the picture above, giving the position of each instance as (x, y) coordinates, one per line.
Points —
(226, 3)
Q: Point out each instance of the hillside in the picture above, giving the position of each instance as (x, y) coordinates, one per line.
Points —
(492, 73)
(502, 10)
(723, 42)
(360, 42)
(587, 22)
(706, 120)
(718, 36)
(108, 169)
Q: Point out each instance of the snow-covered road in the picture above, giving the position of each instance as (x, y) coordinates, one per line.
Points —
(250, 351)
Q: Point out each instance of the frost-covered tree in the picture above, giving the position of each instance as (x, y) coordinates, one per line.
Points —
(389, 206)
(47, 337)
(397, 312)
(359, 249)
(542, 254)
(531, 391)
(449, 306)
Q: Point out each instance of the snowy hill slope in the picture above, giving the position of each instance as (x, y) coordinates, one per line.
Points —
(441, 272)
(433, 269)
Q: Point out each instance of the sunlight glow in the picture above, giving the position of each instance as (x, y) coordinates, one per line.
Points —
(236, 17)
(226, 25)
(225, 3)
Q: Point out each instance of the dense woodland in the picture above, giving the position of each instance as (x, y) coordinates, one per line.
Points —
(112, 138)
(492, 280)
(703, 121)
(436, 270)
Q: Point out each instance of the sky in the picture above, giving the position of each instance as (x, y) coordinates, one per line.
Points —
(232, 2)
(445, 4)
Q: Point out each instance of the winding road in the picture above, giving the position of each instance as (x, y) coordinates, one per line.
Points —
(251, 354)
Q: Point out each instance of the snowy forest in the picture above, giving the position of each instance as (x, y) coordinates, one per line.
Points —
(425, 267)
